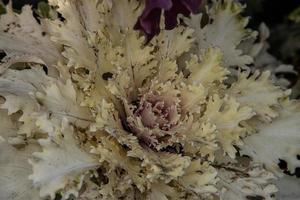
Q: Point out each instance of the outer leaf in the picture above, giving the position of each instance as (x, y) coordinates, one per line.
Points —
(62, 100)
(257, 92)
(14, 58)
(263, 60)
(17, 87)
(277, 140)
(288, 188)
(15, 169)
(245, 183)
(226, 31)
(61, 163)
(77, 33)
(21, 34)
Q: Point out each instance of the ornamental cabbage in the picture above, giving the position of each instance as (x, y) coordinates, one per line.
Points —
(91, 109)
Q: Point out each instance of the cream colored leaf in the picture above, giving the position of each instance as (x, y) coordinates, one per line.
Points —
(21, 84)
(209, 70)
(263, 60)
(111, 151)
(279, 139)
(192, 96)
(119, 187)
(77, 32)
(201, 140)
(15, 169)
(91, 191)
(106, 118)
(162, 165)
(167, 70)
(173, 43)
(61, 164)
(139, 59)
(133, 67)
(88, 11)
(227, 114)
(199, 177)
(165, 166)
(118, 18)
(121, 86)
(124, 13)
(161, 191)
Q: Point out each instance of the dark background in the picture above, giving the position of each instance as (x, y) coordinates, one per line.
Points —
(275, 14)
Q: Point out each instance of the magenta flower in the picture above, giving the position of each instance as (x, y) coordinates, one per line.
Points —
(148, 22)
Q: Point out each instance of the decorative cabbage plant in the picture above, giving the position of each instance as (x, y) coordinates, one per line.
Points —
(89, 110)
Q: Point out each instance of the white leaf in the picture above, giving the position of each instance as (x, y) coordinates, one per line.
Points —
(277, 140)
(18, 87)
(288, 188)
(61, 163)
(81, 19)
(258, 92)
(244, 183)
(15, 169)
(61, 100)
(20, 33)
(226, 31)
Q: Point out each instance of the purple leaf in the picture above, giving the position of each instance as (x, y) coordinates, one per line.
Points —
(149, 21)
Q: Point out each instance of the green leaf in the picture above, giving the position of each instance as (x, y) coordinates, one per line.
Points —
(43, 9)
(2, 8)
(295, 15)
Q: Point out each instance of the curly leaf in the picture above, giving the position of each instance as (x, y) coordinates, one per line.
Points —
(225, 30)
(21, 34)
